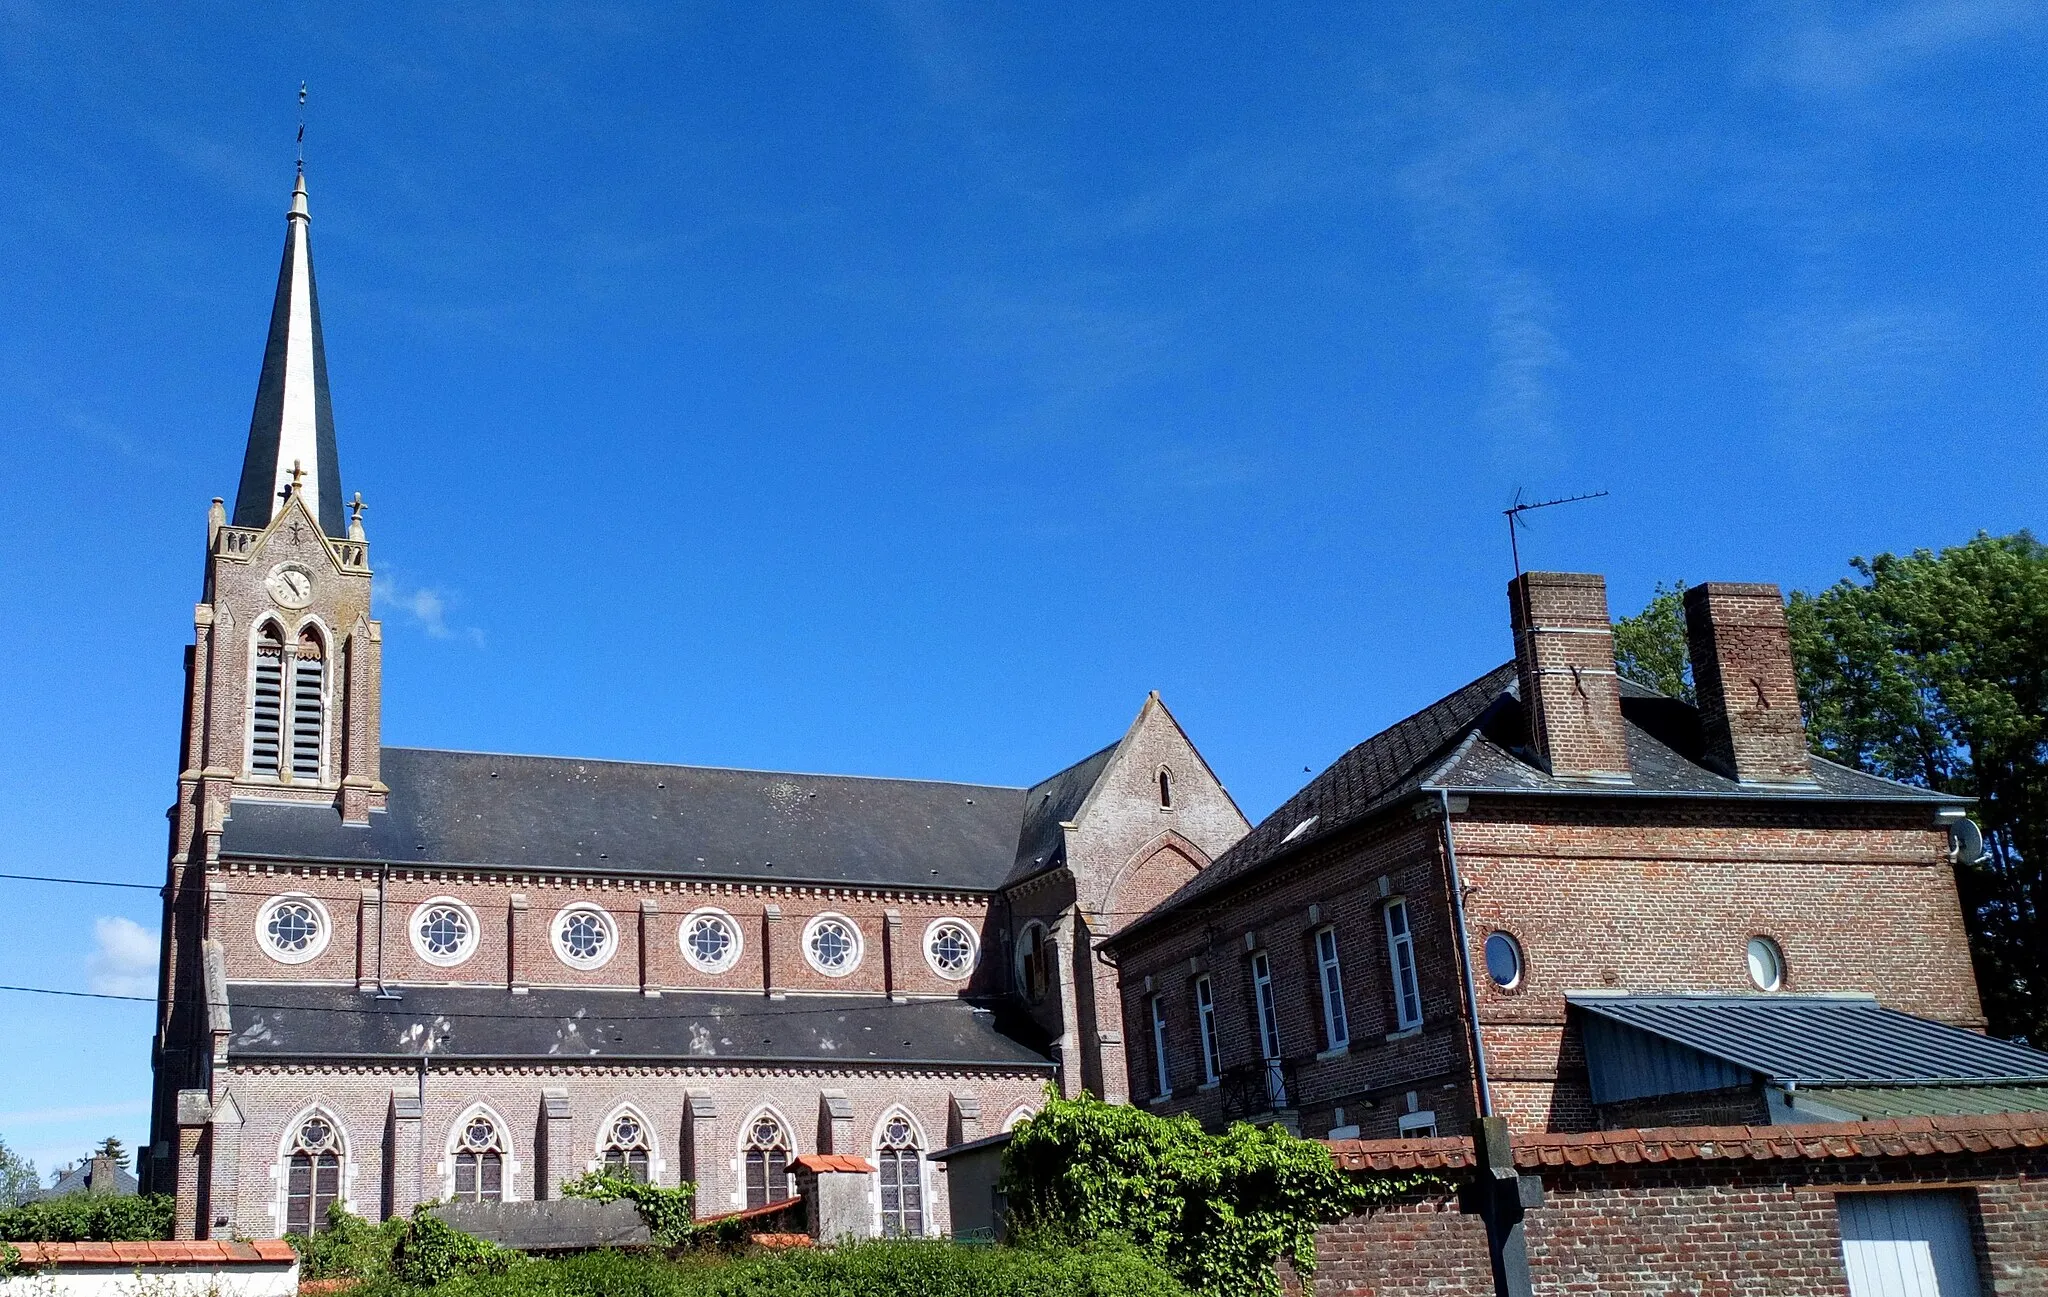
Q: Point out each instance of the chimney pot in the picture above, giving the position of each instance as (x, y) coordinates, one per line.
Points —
(1741, 652)
(1564, 662)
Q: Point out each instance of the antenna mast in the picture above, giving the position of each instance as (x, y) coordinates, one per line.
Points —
(302, 128)
(1515, 511)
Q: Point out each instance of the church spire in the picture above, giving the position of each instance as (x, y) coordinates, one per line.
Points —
(291, 435)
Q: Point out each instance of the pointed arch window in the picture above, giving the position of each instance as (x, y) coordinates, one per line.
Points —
(1165, 789)
(288, 705)
(479, 1161)
(767, 1159)
(901, 1163)
(625, 1148)
(312, 1176)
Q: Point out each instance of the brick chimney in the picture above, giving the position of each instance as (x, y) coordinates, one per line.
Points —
(1564, 659)
(1742, 674)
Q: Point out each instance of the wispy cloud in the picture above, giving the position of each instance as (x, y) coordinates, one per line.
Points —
(426, 607)
(57, 1116)
(123, 961)
(1830, 54)
(1837, 371)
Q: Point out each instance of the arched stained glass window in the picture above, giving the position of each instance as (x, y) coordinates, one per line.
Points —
(312, 1176)
(901, 1164)
(767, 1158)
(479, 1161)
(625, 1148)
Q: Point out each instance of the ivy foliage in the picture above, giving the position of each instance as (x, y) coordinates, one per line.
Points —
(90, 1218)
(670, 1214)
(429, 1251)
(1215, 1210)
(349, 1248)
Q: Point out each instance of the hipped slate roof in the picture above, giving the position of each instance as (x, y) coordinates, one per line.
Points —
(567, 815)
(285, 1021)
(1475, 740)
(1822, 1040)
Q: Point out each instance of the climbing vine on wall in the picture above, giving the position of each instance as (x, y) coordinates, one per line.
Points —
(1217, 1210)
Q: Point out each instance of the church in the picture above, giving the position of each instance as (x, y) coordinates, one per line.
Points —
(394, 975)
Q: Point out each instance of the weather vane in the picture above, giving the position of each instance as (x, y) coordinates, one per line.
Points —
(302, 128)
(1515, 511)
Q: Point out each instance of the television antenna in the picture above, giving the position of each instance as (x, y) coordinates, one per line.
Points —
(1515, 511)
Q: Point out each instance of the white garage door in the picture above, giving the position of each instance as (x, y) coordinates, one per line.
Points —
(1907, 1245)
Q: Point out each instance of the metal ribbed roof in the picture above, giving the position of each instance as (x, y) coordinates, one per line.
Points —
(1823, 1040)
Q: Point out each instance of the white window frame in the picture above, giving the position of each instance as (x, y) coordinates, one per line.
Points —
(463, 952)
(733, 952)
(1162, 1074)
(1418, 1125)
(1205, 1023)
(931, 934)
(853, 961)
(1406, 980)
(561, 924)
(316, 948)
(1264, 1009)
(1330, 977)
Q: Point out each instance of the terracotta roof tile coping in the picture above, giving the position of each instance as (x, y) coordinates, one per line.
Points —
(1894, 1137)
(188, 1252)
(830, 1162)
(781, 1240)
(775, 1208)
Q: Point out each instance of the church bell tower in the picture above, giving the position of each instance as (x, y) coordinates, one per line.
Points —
(283, 672)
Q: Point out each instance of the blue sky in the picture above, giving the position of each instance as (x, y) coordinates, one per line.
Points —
(906, 388)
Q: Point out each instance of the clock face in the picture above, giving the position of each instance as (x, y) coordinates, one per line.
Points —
(290, 585)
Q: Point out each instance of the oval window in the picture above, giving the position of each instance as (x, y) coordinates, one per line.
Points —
(1766, 964)
(1504, 960)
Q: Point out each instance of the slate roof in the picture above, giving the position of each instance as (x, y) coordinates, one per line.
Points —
(1475, 740)
(566, 815)
(285, 1021)
(1822, 1040)
(1042, 844)
(78, 1179)
(1930, 1100)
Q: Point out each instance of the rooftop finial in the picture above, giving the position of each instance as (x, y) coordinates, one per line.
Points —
(302, 128)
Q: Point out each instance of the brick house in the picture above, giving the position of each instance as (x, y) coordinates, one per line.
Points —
(399, 974)
(1563, 897)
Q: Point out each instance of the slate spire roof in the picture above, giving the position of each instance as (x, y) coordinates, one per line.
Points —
(293, 426)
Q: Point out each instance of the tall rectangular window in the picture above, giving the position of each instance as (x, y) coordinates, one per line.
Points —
(1162, 1080)
(1205, 1019)
(1269, 1029)
(1401, 958)
(1336, 1025)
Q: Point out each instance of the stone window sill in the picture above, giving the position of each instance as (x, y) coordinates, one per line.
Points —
(1405, 1034)
(1341, 1051)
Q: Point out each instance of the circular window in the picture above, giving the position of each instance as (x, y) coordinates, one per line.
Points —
(832, 944)
(1766, 964)
(1504, 960)
(444, 931)
(585, 936)
(292, 929)
(950, 948)
(711, 941)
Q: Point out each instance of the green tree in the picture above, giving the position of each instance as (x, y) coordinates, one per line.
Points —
(112, 1147)
(1649, 648)
(1932, 668)
(18, 1179)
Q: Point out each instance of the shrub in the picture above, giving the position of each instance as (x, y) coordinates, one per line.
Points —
(1216, 1210)
(670, 1214)
(880, 1269)
(90, 1218)
(429, 1251)
(349, 1248)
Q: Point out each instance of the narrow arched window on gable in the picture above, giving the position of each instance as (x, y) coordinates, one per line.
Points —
(312, 1176)
(309, 696)
(767, 1158)
(625, 1148)
(479, 1162)
(901, 1164)
(1165, 789)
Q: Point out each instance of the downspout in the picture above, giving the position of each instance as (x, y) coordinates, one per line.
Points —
(1465, 958)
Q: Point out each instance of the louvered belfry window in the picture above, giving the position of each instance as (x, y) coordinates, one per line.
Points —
(288, 706)
(267, 724)
(309, 674)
